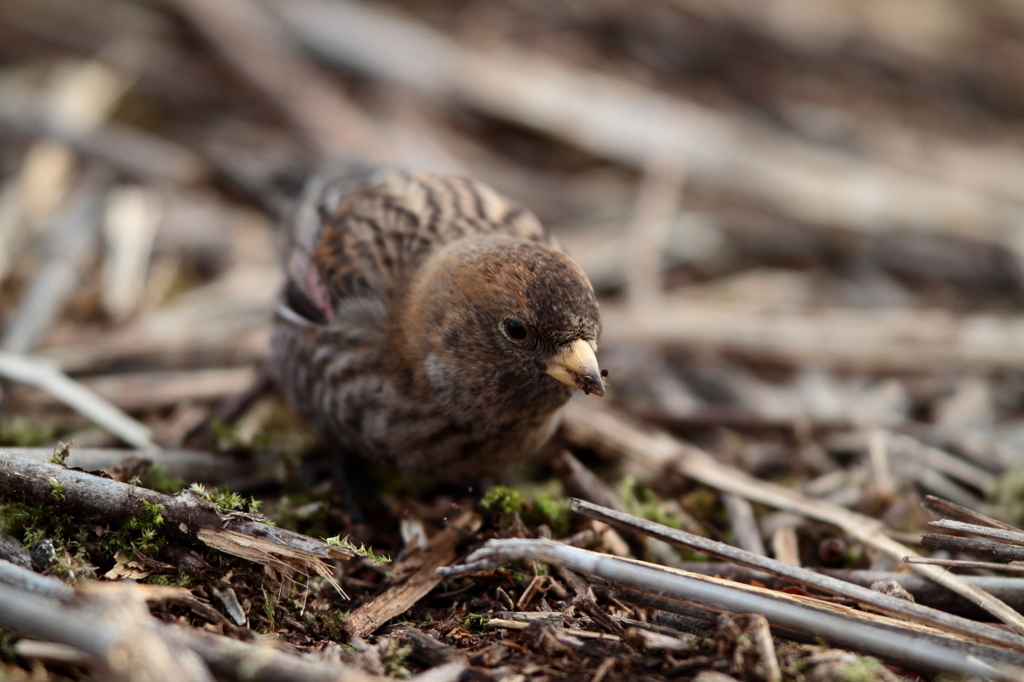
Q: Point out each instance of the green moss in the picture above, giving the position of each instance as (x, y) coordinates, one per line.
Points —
(504, 499)
(225, 500)
(862, 669)
(517, 576)
(182, 579)
(154, 512)
(162, 483)
(57, 490)
(1008, 496)
(141, 531)
(284, 432)
(60, 453)
(554, 511)
(23, 432)
(545, 504)
(394, 663)
(228, 436)
(361, 550)
(31, 523)
(73, 540)
(645, 503)
(7, 642)
(270, 609)
(701, 502)
(475, 623)
(333, 621)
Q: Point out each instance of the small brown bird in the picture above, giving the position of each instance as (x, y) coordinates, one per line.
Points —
(429, 323)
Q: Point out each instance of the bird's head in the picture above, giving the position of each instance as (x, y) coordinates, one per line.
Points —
(505, 322)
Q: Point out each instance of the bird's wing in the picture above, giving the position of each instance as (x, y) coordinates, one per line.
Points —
(305, 298)
(360, 231)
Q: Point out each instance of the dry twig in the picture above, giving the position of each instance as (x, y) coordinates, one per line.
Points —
(425, 564)
(622, 121)
(35, 372)
(191, 465)
(902, 340)
(876, 600)
(653, 451)
(249, 39)
(58, 614)
(901, 642)
(185, 515)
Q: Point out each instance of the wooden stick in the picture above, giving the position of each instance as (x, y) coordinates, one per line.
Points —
(876, 340)
(129, 229)
(920, 454)
(226, 657)
(35, 372)
(250, 41)
(148, 390)
(399, 598)
(876, 600)
(1015, 536)
(70, 246)
(991, 549)
(139, 154)
(744, 524)
(122, 636)
(651, 452)
(579, 481)
(948, 510)
(925, 592)
(657, 204)
(1015, 566)
(626, 122)
(191, 465)
(186, 516)
(909, 644)
(227, 319)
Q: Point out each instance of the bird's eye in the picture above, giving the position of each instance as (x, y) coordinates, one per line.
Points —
(515, 329)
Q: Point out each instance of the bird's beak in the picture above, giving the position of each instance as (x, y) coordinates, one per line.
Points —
(577, 366)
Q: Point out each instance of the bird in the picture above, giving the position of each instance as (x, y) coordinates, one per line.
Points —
(428, 323)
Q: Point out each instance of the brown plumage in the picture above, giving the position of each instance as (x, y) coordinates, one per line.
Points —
(429, 323)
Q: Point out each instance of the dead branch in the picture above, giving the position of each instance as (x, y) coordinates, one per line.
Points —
(908, 644)
(191, 465)
(900, 340)
(140, 155)
(34, 372)
(70, 245)
(625, 122)
(115, 629)
(917, 454)
(1014, 536)
(993, 549)
(651, 452)
(876, 600)
(251, 42)
(424, 565)
(657, 204)
(140, 391)
(61, 613)
(1013, 566)
(130, 222)
(924, 591)
(579, 481)
(186, 516)
(227, 320)
(948, 510)
(744, 524)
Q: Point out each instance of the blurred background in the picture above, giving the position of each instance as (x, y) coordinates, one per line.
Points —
(805, 218)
